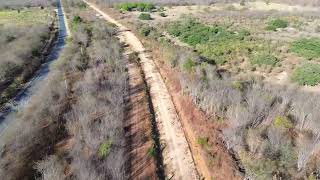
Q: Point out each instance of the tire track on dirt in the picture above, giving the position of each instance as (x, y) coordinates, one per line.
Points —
(142, 147)
(177, 157)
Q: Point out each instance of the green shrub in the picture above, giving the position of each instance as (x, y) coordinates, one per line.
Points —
(213, 42)
(308, 74)
(145, 7)
(145, 30)
(188, 65)
(264, 58)
(152, 152)
(77, 19)
(274, 24)
(238, 85)
(221, 51)
(308, 48)
(203, 141)
(140, 6)
(162, 14)
(261, 169)
(282, 122)
(105, 149)
(75, 22)
(145, 16)
(193, 32)
(126, 6)
(161, 9)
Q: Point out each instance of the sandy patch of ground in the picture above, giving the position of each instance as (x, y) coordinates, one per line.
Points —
(262, 6)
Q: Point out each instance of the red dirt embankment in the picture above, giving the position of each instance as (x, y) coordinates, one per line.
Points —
(212, 160)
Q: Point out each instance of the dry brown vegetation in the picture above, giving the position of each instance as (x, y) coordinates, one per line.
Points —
(251, 107)
(24, 43)
(16, 4)
(73, 128)
(206, 2)
(271, 128)
(82, 104)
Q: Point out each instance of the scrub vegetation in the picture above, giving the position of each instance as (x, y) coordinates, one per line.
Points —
(81, 105)
(261, 117)
(145, 16)
(272, 128)
(216, 43)
(206, 2)
(275, 24)
(139, 6)
(19, 4)
(26, 37)
(308, 48)
(308, 74)
(246, 70)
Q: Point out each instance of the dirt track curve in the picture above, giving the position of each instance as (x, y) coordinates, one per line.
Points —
(177, 156)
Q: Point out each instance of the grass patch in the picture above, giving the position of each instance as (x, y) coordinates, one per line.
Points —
(238, 85)
(308, 48)
(275, 24)
(28, 16)
(139, 6)
(264, 58)
(308, 74)
(105, 149)
(145, 16)
(282, 122)
(75, 22)
(203, 141)
(193, 32)
(189, 65)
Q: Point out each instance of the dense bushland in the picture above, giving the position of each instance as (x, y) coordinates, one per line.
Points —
(82, 103)
(23, 46)
(274, 130)
(261, 117)
(96, 119)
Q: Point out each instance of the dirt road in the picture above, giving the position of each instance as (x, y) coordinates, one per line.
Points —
(177, 156)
